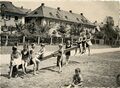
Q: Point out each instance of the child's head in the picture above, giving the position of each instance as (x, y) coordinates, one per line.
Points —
(42, 45)
(14, 48)
(68, 41)
(25, 46)
(60, 46)
(77, 71)
(33, 45)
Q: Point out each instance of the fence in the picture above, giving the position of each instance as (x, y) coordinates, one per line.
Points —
(10, 40)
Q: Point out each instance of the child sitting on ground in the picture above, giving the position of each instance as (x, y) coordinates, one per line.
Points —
(77, 79)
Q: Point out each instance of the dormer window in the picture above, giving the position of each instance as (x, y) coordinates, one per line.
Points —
(50, 14)
(77, 19)
(66, 17)
(35, 12)
(57, 16)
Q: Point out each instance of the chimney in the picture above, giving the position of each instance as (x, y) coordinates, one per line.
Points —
(58, 8)
(81, 14)
(21, 7)
(70, 11)
(42, 4)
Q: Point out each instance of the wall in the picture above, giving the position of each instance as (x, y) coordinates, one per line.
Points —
(11, 21)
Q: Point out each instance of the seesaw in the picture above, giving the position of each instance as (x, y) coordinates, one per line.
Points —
(13, 68)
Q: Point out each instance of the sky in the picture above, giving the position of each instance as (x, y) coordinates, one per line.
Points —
(92, 10)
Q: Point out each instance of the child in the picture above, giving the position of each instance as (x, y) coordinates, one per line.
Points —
(84, 45)
(25, 57)
(60, 57)
(34, 58)
(15, 60)
(80, 44)
(68, 45)
(77, 79)
(40, 55)
(88, 41)
(41, 51)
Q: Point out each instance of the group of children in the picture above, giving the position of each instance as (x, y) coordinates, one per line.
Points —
(28, 55)
(84, 42)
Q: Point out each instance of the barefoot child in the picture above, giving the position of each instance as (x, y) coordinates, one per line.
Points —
(40, 54)
(77, 79)
(60, 57)
(68, 45)
(25, 57)
(34, 58)
(15, 60)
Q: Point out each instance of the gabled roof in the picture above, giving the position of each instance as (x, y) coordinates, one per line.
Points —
(10, 8)
(48, 12)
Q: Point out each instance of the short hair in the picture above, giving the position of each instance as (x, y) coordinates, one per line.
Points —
(77, 70)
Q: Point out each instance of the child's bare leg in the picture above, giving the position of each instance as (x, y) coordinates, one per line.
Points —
(11, 70)
(34, 67)
(37, 65)
(23, 67)
(88, 50)
(16, 71)
(60, 67)
(67, 59)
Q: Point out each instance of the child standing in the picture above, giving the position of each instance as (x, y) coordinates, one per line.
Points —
(34, 58)
(68, 45)
(25, 57)
(60, 57)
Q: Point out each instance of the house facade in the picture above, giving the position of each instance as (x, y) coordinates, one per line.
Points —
(11, 15)
(44, 15)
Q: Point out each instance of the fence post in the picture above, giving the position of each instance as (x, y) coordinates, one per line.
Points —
(38, 40)
(23, 39)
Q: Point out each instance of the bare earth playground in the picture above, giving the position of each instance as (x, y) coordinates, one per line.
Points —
(99, 69)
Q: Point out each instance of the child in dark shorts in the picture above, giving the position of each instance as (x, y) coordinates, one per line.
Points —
(25, 57)
(68, 45)
(60, 57)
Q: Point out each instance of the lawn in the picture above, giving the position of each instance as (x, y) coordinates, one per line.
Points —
(98, 70)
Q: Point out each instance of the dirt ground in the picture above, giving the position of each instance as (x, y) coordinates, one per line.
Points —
(98, 70)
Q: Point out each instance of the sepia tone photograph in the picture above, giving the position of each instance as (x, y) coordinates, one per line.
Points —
(59, 44)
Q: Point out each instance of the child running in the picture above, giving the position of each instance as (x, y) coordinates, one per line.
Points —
(68, 45)
(34, 58)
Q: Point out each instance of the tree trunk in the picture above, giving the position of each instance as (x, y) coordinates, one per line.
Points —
(6, 42)
(38, 40)
(23, 39)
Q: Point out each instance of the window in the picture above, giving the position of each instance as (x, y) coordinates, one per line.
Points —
(57, 16)
(35, 12)
(9, 17)
(16, 18)
(50, 14)
(66, 17)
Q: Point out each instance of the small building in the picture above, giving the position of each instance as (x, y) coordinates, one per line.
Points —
(44, 15)
(11, 15)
